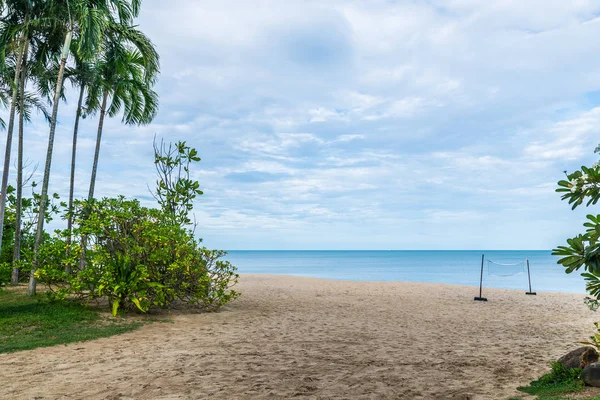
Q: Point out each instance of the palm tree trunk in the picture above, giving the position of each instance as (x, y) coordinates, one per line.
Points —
(17, 245)
(44, 194)
(94, 171)
(9, 134)
(72, 186)
(98, 140)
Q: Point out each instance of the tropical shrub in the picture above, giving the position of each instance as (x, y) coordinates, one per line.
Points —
(595, 338)
(5, 274)
(175, 190)
(29, 213)
(137, 257)
(583, 250)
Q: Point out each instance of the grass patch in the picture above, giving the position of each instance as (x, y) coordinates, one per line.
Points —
(557, 382)
(27, 323)
(562, 398)
(542, 397)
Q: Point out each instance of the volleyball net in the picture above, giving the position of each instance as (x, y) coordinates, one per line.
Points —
(504, 268)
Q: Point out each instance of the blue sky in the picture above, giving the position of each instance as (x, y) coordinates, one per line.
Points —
(363, 125)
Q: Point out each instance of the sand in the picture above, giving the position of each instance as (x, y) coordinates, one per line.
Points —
(305, 338)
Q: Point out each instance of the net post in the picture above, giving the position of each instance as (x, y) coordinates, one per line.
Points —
(529, 278)
(480, 298)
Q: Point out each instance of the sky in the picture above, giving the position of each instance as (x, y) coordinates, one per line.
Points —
(384, 124)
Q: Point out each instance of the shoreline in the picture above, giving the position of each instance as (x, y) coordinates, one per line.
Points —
(451, 267)
(258, 274)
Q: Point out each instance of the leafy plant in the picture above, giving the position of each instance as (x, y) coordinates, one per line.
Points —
(581, 185)
(5, 274)
(594, 339)
(559, 380)
(137, 258)
(175, 190)
(123, 283)
(583, 250)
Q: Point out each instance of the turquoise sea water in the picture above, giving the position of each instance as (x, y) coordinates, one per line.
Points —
(455, 267)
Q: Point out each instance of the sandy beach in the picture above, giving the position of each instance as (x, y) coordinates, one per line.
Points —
(293, 337)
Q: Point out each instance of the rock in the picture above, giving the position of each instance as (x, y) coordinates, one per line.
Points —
(591, 374)
(579, 358)
(588, 357)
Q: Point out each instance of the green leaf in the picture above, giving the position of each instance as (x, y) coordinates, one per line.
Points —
(136, 301)
(115, 308)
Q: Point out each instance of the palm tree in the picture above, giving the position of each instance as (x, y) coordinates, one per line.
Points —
(17, 242)
(81, 76)
(15, 31)
(125, 75)
(88, 19)
(25, 24)
(90, 24)
(125, 72)
(41, 67)
(26, 101)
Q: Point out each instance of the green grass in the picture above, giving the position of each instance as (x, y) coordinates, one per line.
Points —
(27, 323)
(559, 398)
(557, 382)
(568, 398)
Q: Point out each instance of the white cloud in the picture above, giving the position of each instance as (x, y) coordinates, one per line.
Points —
(567, 140)
(319, 120)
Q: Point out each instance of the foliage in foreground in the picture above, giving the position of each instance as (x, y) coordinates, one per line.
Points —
(583, 251)
(595, 338)
(27, 323)
(29, 214)
(133, 256)
(558, 381)
(138, 257)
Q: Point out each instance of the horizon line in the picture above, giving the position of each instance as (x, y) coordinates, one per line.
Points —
(389, 250)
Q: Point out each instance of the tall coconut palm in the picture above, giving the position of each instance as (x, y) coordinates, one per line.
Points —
(82, 77)
(17, 242)
(20, 21)
(88, 19)
(23, 23)
(68, 25)
(126, 76)
(14, 30)
(26, 103)
(26, 100)
(84, 13)
(125, 73)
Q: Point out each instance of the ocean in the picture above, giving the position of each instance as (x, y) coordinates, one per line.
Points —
(507, 268)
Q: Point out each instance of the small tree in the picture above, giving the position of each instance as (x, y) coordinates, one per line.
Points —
(175, 190)
(138, 257)
(583, 250)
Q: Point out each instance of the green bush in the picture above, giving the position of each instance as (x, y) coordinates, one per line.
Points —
(136, 257)
(29, 213)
